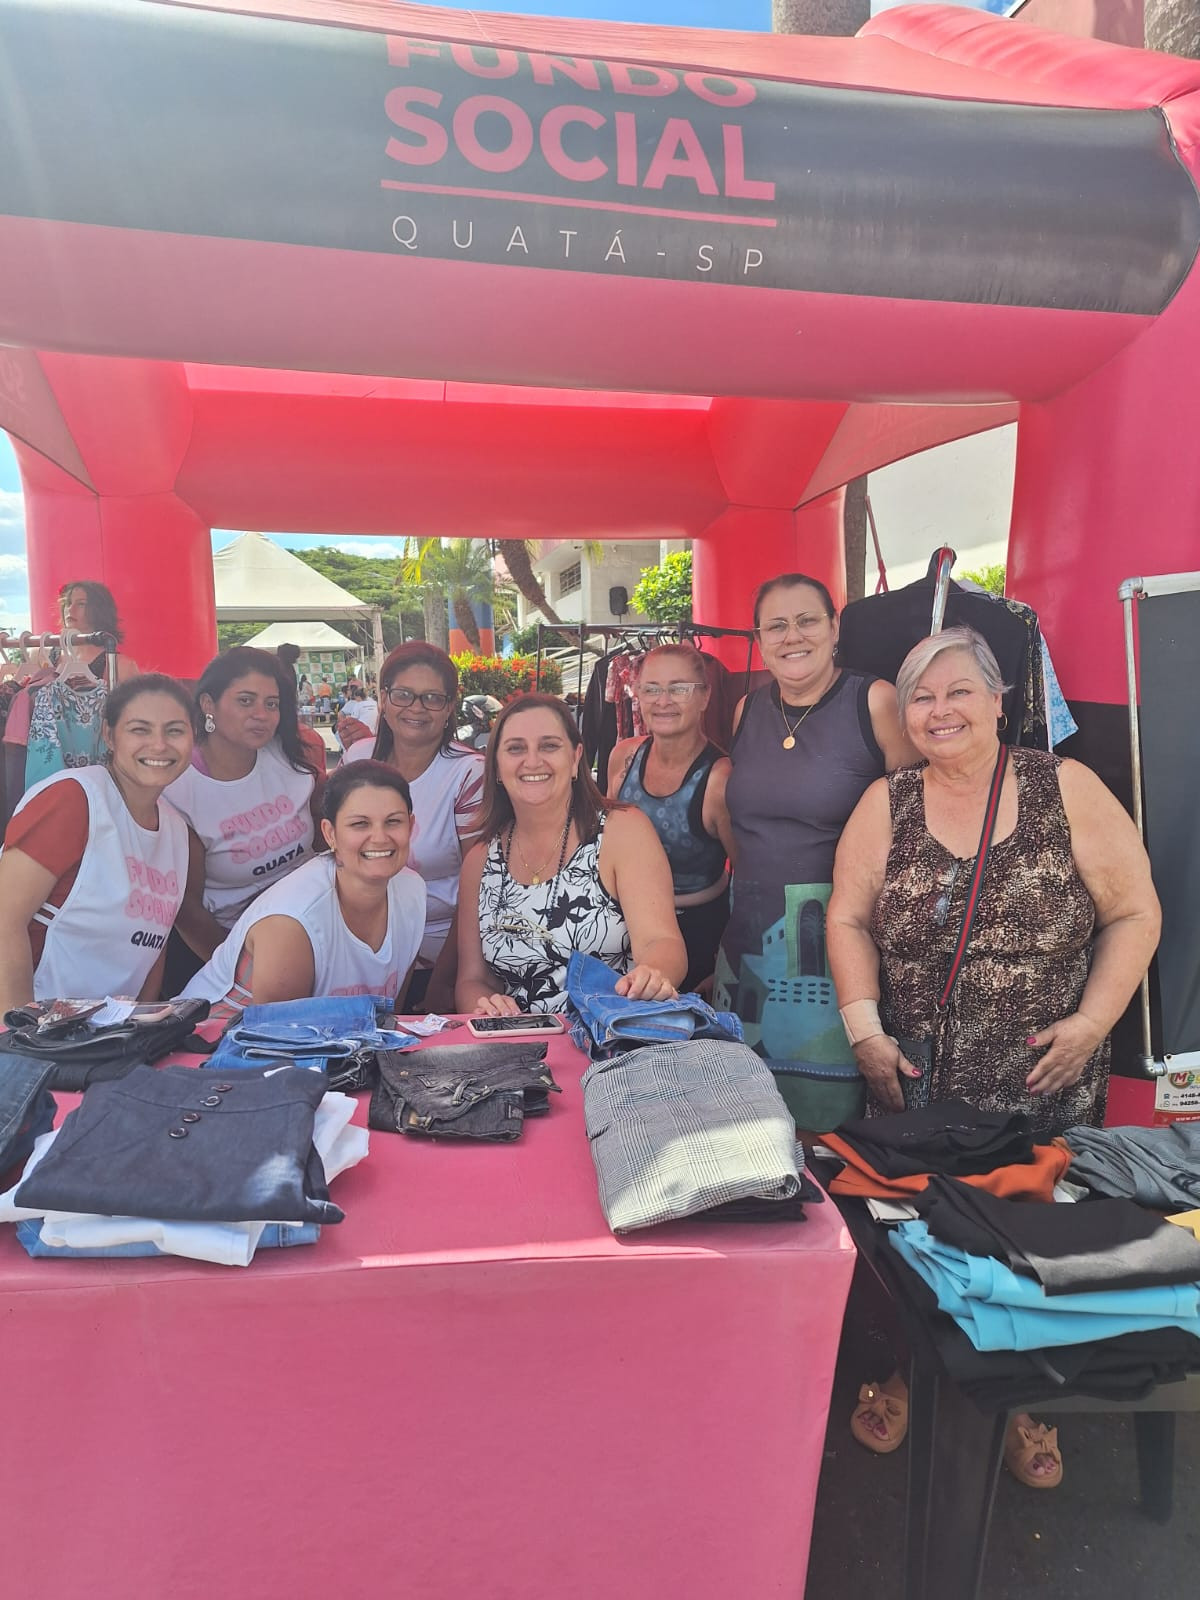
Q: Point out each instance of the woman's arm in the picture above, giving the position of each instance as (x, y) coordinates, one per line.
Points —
(619, 762)
(282, 955)
(858, 873)
(24, 885)
(476, 989)
(194, 923)
(1110, 858)
(634, 869)
(715, 814)
(885, 724)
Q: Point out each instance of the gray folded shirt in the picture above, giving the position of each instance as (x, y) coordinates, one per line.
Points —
(1157, 1167)
(681, 1129)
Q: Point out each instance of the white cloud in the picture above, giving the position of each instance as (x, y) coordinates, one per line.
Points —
(383, 549)
(12, 508)
(12, 563)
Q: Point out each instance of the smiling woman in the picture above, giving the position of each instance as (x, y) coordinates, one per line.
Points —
(100, 843)
(349, 922)
(559, 869)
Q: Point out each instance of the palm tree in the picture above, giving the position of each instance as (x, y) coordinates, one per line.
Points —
(456, 569)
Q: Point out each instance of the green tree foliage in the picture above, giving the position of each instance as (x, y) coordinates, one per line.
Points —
(375, 580)
(664, 593)
(990, 578)
(459, 570)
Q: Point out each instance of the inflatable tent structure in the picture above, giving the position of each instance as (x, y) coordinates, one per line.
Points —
(362, 267)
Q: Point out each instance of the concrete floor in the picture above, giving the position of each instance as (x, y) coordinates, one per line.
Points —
(1086, 1540)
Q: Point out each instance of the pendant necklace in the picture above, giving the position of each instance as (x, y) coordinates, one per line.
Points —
(559, 850)
(790, 742)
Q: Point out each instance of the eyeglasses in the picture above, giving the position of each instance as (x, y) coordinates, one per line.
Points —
(677, 691)
(941, 906)
(779, 627)
(431, 699)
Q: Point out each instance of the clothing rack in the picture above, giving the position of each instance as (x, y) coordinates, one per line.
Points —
(647, 633)
(67, 640)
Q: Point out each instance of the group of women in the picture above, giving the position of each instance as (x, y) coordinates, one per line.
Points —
(849, 812)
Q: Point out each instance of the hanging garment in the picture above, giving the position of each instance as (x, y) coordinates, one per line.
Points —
(1025, 966)
(64, 729)
(343, 964)
(106, 935)
(528, 932)
(255, 830)
(788, 809)
(621, 691)
(878, 631)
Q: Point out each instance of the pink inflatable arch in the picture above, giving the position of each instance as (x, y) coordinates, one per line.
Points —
(349, 265)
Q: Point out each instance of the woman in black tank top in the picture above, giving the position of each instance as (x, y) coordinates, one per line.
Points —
(677, 777)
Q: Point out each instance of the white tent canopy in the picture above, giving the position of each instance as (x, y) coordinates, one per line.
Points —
(306, 636)
(257, 581)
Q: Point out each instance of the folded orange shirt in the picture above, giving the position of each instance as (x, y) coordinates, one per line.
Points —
(1027, 1180)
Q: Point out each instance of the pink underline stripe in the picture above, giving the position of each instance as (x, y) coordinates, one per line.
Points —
(591, 205)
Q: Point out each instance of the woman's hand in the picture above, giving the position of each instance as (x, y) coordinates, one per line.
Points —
(646, 983)
(882, 1063)
(350, 730)
(1072, 1042)
(497, 1005)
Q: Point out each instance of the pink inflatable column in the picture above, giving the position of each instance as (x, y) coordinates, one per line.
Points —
(131, 421)
(747, 544)
(1107, 488)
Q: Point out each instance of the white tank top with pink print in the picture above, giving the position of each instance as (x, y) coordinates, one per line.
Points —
(108, 932)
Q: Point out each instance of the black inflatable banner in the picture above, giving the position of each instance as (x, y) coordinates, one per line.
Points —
(196, 122)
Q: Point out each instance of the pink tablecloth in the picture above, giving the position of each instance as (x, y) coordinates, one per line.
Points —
(468, 1390)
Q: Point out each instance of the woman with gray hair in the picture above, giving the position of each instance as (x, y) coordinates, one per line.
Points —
(1064, 926)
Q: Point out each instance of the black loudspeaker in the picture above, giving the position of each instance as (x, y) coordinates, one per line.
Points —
(618, 600)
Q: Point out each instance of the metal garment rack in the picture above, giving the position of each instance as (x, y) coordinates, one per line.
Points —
(648, 633)
(65, 640)
(1129, 592)
(945, 558)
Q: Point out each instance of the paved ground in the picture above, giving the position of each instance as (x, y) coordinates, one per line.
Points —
(1086, 1540)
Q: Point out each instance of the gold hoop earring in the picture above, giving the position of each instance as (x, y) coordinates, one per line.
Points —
(1002, 722)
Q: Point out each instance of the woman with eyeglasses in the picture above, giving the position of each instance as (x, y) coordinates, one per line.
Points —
(805, 747)
(418, 697)
(677, 777)
(1063, 930)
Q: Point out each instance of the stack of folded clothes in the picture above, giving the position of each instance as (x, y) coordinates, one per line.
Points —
(339, 1035)
(462, 1091)
(176, 1161)
(893, 1158)
(604, 1023)
(682, 1130)
(1057, 1275)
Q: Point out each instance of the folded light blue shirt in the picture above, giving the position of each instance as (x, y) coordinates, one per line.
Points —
(998, 1310)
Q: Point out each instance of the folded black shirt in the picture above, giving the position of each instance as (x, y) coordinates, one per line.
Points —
(950, 1137)
(1068, 1249)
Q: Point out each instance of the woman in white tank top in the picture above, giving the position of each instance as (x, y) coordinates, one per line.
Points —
(349, 922)
(418, 697)
(95, 860)
(247, 797)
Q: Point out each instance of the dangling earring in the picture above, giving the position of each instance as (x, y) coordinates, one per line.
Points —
(1002, 722)
(210, 724)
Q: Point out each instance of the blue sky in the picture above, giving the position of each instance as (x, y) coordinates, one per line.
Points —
(745, 14)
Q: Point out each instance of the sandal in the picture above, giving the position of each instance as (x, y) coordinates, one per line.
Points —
(1023, 1443)
(892, 1410)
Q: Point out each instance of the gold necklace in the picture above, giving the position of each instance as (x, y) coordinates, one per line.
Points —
(559, 851)
(790, 742)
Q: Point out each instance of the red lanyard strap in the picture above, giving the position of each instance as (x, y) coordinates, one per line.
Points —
(975, 889)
